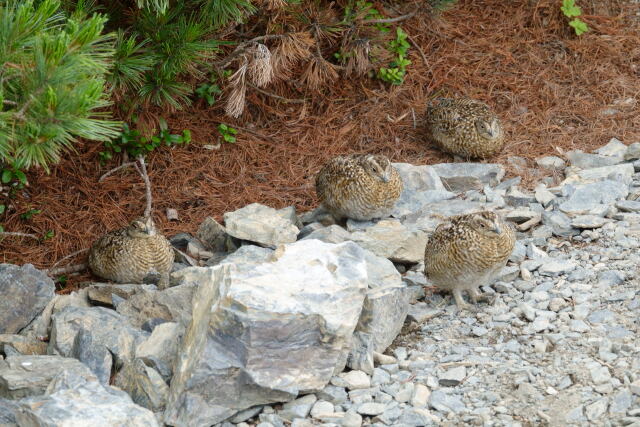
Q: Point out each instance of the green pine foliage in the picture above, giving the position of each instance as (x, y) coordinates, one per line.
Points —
(52, 80)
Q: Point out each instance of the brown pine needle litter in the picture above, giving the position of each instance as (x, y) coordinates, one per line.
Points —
(554, 91)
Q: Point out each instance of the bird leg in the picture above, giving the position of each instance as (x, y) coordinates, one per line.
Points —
(457, 295)
(476, 296)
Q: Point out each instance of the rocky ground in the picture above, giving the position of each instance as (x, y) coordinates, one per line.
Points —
(300, 323)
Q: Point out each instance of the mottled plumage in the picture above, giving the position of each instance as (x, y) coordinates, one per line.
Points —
(464, 127)
(467, 251)
(130, 254)
(361, 187)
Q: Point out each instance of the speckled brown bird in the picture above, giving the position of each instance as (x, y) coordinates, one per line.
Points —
(466, 252)
(361, 187)
(130, 254)
(464, 127)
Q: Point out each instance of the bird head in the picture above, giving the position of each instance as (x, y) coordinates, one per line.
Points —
(489, 129)
(487, 223)
(142, 227)
(378, 166)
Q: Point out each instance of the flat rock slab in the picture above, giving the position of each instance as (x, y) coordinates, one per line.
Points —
(459, 177)
(23, 376)
(390, 239)
(590, 196)
(422, 186)
(83, 403)
(261, 224)
(24, 293)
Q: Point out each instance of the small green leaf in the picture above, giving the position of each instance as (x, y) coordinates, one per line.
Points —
(20, 176)
(48, 235)
(579, 26)
(186, 136)
(2, 209)
(7, 175)
(163, 124)
(1, 229)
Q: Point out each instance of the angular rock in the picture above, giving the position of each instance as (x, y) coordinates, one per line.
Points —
(422, 185)
(589, 161)
(260, 224)
(560, 223)
(352, 380)
(453, 376)
(444, 402)
(95, 356)
(588, 221)
(143, 383)
(625, 172)
(172, 304)
(390, 239)
(161, 348)
(8, 410)
(553, 267)
(371, 409)
(298, 408)
(24, 293)
(469, 176)
(590, 196)
(107, 327)
(628, 206)
(331, 234)
(24, 345)
(300, 309)
(23, 376)
(85, 403)
(633, 152)
(544, 196)
(614, 148)
(551, 163)
(103, 293)
(248, 254)
(212, 235)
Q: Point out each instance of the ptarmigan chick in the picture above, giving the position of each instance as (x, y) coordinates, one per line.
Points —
(361, 187)
(464, 127)
(130, 254)
(468, 251)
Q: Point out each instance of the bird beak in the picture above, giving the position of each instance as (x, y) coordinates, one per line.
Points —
(385, 177)
(497, 229)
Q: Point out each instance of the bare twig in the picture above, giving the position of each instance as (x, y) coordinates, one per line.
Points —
(114, 170)
(16, 234)
(7, 102)
(278, 97)
(417, 46)
(391, 20)
(413, 115)
(71, 255)
(73, 268)
(147, 184)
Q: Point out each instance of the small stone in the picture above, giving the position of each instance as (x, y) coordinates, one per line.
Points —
(322, 408)
(614, 148)
(383, 359)
(552, 163)
(635, 387)
(352, 380)
(420, 396)
(405, 393)
(351, 419)
(579, 326)
(554, 267)
(621, 402)
(479, 331)
(597, 409)
(453, 377)
(380, 377)
(444, 402)
(588, 222)
(298, 408)
(333, 394)
(600, 374)
(371, 409)
(628, 205)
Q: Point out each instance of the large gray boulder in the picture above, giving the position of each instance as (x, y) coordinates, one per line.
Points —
(78, 401)
(8, 410)
(265, 333)
(591, 196)
(22, 376)
(24, 293)
(261, 224)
